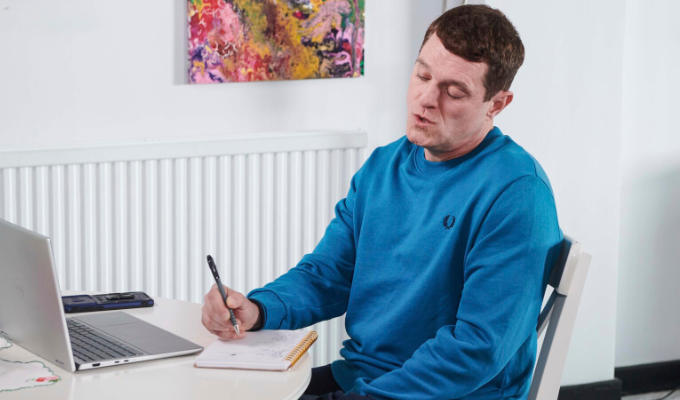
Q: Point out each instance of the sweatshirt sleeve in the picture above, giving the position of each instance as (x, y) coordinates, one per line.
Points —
(317, 288)
(504, 279)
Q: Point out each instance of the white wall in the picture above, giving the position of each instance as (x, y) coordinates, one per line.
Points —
(649, 271)
(567, 113)
(86, 72)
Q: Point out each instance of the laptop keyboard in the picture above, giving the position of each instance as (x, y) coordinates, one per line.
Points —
(88, 345)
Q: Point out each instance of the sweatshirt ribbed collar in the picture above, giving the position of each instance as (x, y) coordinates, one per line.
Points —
(437, 167)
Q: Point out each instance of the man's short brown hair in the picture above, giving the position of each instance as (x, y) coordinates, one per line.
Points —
(479, 33)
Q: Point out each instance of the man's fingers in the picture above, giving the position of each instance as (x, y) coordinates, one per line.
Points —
(215, 316)
(218, 324)
(227, 334)
(234, 298)
(223, 333)
(234, 301)
(213, 300)
(214, 319)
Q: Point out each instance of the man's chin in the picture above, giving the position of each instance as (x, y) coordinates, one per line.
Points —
(412, 138)
(416, 136)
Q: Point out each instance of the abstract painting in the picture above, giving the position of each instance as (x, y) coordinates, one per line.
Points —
(256, 40)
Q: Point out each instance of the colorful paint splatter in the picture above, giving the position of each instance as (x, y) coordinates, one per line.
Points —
(254, 40)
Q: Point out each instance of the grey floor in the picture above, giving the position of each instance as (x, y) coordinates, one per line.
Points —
(654, 396)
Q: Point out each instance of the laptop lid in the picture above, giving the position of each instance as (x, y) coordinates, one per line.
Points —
(31, 313)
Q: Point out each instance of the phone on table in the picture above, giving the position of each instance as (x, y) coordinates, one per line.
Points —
(108, 301)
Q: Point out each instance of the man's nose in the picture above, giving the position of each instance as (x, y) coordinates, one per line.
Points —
(429, 96)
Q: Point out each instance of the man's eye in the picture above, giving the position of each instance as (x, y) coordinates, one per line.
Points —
(422, 77)
(455, 95)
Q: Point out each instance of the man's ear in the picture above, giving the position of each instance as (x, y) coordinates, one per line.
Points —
(498, 102)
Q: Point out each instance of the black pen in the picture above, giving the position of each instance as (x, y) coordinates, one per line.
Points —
(216, 275)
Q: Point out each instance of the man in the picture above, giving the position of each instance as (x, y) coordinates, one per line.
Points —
(441, 250)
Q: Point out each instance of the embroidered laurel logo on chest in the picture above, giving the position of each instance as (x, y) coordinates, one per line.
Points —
(448, 222)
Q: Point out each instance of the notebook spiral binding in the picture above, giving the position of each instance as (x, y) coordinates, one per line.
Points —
(301, 347)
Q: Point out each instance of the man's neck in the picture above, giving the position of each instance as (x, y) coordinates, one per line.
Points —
(465, 148)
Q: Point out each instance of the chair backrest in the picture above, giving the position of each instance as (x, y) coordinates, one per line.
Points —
(558, 315)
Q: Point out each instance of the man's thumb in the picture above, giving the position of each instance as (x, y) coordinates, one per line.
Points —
(233, 302)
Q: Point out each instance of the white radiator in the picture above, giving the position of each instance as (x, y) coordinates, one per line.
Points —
(143, 217)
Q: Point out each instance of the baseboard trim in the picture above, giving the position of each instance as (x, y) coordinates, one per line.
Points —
(603, 390)
(646, 378)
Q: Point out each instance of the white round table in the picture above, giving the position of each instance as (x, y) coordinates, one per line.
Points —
(172, 378)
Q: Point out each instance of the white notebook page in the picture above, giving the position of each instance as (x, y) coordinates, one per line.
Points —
(264, 349)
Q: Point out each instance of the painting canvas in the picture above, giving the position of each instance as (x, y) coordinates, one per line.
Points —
(255, 40)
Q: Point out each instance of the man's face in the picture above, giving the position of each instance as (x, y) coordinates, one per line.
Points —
(447, 114)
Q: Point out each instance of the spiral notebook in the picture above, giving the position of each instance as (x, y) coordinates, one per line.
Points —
(274, 350)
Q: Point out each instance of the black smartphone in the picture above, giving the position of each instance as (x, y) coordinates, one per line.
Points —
(108, 301)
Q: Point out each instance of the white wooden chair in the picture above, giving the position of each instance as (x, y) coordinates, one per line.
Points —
(558, 315)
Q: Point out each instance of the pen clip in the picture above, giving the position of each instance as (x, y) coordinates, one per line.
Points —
(213, 267)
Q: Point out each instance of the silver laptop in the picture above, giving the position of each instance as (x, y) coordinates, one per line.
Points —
(32, 315)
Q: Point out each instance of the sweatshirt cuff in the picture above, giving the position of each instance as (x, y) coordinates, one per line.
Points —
(273, 308)
(260, 316)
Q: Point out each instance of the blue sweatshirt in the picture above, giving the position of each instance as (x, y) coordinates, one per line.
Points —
(441, 268)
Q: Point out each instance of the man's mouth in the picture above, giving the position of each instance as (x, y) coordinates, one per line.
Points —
(422, 120)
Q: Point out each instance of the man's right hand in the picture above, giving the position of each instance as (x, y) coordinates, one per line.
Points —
(215, 316)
